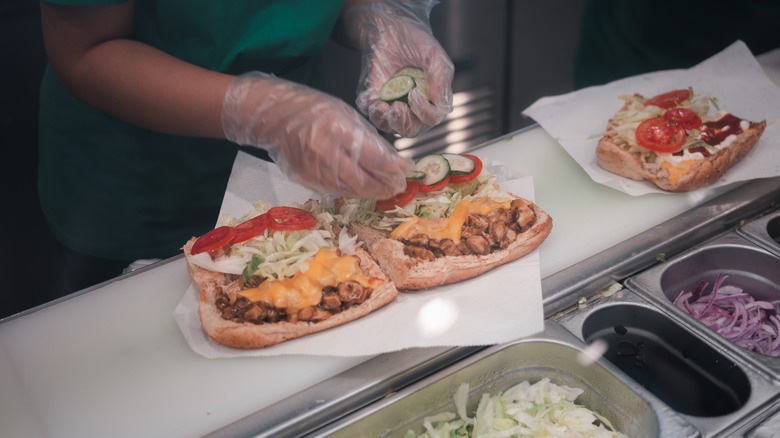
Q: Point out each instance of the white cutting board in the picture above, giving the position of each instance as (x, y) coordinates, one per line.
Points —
(112, 362)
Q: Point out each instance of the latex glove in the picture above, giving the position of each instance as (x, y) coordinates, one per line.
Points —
(391, 35)
(316, 139)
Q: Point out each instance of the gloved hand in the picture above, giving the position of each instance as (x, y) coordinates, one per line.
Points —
(317, 140)
(391, 35)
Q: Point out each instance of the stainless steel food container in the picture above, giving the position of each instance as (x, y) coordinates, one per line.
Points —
(679, 363)
(646, 365)
(748, 266)
(555, 354)
(764, 231)
(721, 388)
(768, 428)
(649, 367)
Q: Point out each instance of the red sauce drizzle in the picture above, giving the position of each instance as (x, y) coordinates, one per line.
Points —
(716, 131)
(701, 149)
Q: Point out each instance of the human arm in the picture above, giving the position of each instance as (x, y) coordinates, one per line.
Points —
(316, 139)
(391, 35)
(91, 50)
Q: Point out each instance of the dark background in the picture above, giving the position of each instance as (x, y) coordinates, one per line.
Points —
(29, 265)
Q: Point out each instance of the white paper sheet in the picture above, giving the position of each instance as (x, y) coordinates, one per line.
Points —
(733, 76)
(502, 305)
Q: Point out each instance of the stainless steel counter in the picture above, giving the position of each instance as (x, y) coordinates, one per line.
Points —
(563, 291)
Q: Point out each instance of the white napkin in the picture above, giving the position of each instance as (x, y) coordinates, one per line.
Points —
(502, 305)
(733, 76)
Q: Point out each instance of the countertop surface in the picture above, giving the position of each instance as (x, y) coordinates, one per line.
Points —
(111, 361)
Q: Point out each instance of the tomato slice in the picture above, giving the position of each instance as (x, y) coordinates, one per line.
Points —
(213, 240)
(290, 219)
(402, 199)
(657, 134)
(251, 228)
(670, 98)
(684, 117)
(433, 187)
(457, 179)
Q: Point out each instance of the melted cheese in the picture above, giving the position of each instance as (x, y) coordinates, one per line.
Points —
(678, 169)
(304, 289)
(449, 227)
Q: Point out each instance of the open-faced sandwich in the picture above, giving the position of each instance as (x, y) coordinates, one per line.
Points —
(281, 273)
(452, 223)
(673, 141)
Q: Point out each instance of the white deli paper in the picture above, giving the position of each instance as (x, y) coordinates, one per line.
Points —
(500, 306)
(577, 119)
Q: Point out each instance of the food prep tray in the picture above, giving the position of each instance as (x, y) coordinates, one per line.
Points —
(678, 363)
(748, 266)
(555, 354)
(646, 365)
(766, 429)
(765, 231)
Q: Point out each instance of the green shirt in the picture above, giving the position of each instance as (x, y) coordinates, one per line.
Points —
(113, 190)
(621, 38)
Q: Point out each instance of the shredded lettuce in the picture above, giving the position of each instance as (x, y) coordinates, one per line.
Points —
(431, 205)
(279, 254)
(251, 267)
(541, 409)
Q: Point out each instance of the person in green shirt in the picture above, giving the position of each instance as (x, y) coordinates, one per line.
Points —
(145, 104)
(621, 38)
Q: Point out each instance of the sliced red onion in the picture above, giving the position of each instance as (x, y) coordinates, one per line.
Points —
(734, 314)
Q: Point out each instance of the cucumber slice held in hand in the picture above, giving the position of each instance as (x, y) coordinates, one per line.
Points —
(414, 72)
(402, 83)
(397, 88)
(420, 80)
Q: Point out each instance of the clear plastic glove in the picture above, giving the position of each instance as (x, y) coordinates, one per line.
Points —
(317, 140)
(391, 35)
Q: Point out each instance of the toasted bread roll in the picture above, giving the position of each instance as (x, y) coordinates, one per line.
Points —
(212, 284)
(699, 173)
(671, 141)
(414, 273)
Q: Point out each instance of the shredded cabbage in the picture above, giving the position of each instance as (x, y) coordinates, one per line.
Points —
(283, 253)
(430, 205)
(735, 315)
(542, 409)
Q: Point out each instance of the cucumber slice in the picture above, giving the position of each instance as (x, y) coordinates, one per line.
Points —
(435, 167)
(415, 175)
(414, 72)
(420, 80)
(460, 165)
(403, 81)
(396, 88)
